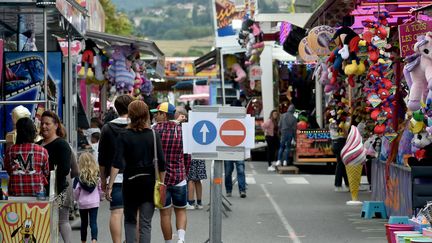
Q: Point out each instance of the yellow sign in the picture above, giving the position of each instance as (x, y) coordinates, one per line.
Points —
(27, 222)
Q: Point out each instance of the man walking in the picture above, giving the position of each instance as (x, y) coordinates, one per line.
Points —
(175, 174)
(288, 128)
(107, 148)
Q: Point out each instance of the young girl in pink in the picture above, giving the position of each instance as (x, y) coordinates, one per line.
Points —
(88, 193)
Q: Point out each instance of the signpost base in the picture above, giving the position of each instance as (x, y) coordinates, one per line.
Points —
(216, 202)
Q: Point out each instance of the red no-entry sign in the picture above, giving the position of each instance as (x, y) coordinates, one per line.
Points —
(232, 132)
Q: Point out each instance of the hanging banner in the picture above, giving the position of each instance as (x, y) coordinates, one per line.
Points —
(408, 35)
(75, 47)
(227, 11)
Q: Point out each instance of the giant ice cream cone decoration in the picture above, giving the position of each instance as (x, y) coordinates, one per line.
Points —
(354, 176)
(353, 155)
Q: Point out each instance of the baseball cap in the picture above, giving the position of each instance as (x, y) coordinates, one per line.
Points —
(164, 107)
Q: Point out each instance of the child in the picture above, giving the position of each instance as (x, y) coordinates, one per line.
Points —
(88, 192)
(197, 172)
(94, 143)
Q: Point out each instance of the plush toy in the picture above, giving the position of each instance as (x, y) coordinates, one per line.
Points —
(251, 37)
(420, 141)
(349, 50)
(120, 73)
(418, 73)
(87, 59)
(335, 64)
(233, 67)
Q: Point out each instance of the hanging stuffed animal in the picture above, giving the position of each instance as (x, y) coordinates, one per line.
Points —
(234, 68)
(87, 59)
(418, 73)
(351, 42)
(120, 73)
(251, 38)
(138, 79)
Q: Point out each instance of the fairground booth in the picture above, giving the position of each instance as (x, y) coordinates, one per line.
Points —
(37, 74)
(374, 68)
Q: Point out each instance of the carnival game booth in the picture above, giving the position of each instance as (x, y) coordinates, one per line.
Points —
(370, 89)
(29, 219)
(35, 73)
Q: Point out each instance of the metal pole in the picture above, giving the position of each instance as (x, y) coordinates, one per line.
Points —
(21, 102)
(319, 104)
(222, 71)
(68, 91)
(45, 57)
(216, 202)
(266, 63)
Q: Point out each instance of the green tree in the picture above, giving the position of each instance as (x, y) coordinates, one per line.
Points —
(116, 22)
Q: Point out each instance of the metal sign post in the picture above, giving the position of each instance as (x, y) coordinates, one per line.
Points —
(218, 133)
(216, 202)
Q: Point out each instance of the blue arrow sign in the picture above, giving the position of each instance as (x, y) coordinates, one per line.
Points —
(204, 132)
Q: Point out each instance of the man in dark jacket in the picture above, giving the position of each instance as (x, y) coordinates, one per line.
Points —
(288, 129)
(107, 148)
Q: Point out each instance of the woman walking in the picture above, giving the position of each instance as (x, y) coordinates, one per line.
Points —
(271, 131)
(88, 192)
(60, 155)
(135, 152)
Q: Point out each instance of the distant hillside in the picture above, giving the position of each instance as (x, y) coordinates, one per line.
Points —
(169, 19)
(127, 5)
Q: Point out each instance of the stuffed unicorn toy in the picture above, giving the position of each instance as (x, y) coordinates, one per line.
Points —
(418, 73)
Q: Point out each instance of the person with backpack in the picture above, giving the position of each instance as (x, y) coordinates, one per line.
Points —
(175, 172)
(107, 147)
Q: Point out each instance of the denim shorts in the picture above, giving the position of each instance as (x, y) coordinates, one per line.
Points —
(176, 196)
(117, 196)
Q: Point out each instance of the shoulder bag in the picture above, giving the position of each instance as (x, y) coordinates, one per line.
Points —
(159, 188)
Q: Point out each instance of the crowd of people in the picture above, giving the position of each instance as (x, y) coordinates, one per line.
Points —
(117, 164)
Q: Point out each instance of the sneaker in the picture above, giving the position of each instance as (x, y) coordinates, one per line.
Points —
(228, 194)
(180, 241)
(278, 163)
(285, 163)
(271, 168)
(338, 189)
(345, 189)
(190, 207)
(199, 206)
(242, 194)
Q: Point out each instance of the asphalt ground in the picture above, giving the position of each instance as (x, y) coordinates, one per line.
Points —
(302, 208)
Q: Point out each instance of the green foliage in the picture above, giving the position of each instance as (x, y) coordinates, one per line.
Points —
(116, 22)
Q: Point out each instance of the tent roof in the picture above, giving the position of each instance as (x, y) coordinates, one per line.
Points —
(104, 39)
(331, 11)
(147, 47)
(57, 21)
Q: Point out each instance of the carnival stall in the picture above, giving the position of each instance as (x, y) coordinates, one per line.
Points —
(39, 81)
(375, 71)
